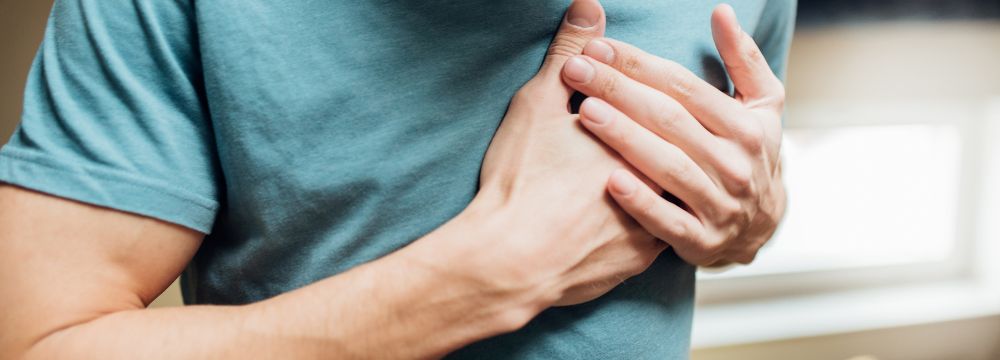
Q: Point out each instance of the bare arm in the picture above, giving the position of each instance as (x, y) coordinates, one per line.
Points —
(77, 279)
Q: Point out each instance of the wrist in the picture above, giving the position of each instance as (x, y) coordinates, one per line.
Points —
(462, 258)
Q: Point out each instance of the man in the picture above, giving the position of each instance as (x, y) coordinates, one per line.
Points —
(341, 158)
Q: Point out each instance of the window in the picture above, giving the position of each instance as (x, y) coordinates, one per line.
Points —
(889, 160)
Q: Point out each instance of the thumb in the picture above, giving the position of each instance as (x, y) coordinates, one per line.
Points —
(744, 61)
(584, 21)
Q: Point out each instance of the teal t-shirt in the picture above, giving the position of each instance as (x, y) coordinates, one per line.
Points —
(307, 137)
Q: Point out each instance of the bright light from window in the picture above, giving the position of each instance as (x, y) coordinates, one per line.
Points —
(865, 196)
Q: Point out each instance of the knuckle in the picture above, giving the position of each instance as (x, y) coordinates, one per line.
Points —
(568, 43)
(740, 183)
(630, 65)
(682, 172)
(746, 257)
(734, 223)
(707, 252)
(680, 84)
(687, 236)
(780, 94)
(678, 230)
(729, 213)
(668, 118)
(647, 207)
(752, 139)
(674, 230)
(683, 88)
(733, 220)
(608, 86)
(751, 53)
(623, 140)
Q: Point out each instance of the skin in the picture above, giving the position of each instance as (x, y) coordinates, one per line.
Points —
(77, 278)
(717, 154)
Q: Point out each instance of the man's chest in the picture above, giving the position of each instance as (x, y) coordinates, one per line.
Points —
(398, 83)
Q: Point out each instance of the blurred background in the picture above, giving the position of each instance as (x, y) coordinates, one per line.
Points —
(889, 249)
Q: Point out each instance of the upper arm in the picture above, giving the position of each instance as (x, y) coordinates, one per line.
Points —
(63, 263)
(115, 131)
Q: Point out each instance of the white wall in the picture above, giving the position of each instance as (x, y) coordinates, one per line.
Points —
(836, 76)
(975, 339)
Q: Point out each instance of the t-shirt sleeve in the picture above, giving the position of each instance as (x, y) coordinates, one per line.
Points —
(774, 33)
(115, 113)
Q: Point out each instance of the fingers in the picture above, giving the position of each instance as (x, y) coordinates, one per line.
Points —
(584, 21)
(692, 240)
(659, 217)
(662, 115)
(714, 109)
(755, 83)
(654, 109)
(664, 163)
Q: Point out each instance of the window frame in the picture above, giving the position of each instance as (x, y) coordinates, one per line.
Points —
(758, 308)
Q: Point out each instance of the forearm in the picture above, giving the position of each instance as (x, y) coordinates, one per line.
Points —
(415, 303)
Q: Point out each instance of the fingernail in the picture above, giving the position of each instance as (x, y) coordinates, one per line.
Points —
(596, 111)
(583, 13)
(600, 50)
(621, 183)
(579, 70)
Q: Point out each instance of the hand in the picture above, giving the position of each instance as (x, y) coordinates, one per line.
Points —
(717, 154)
(543, 181)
